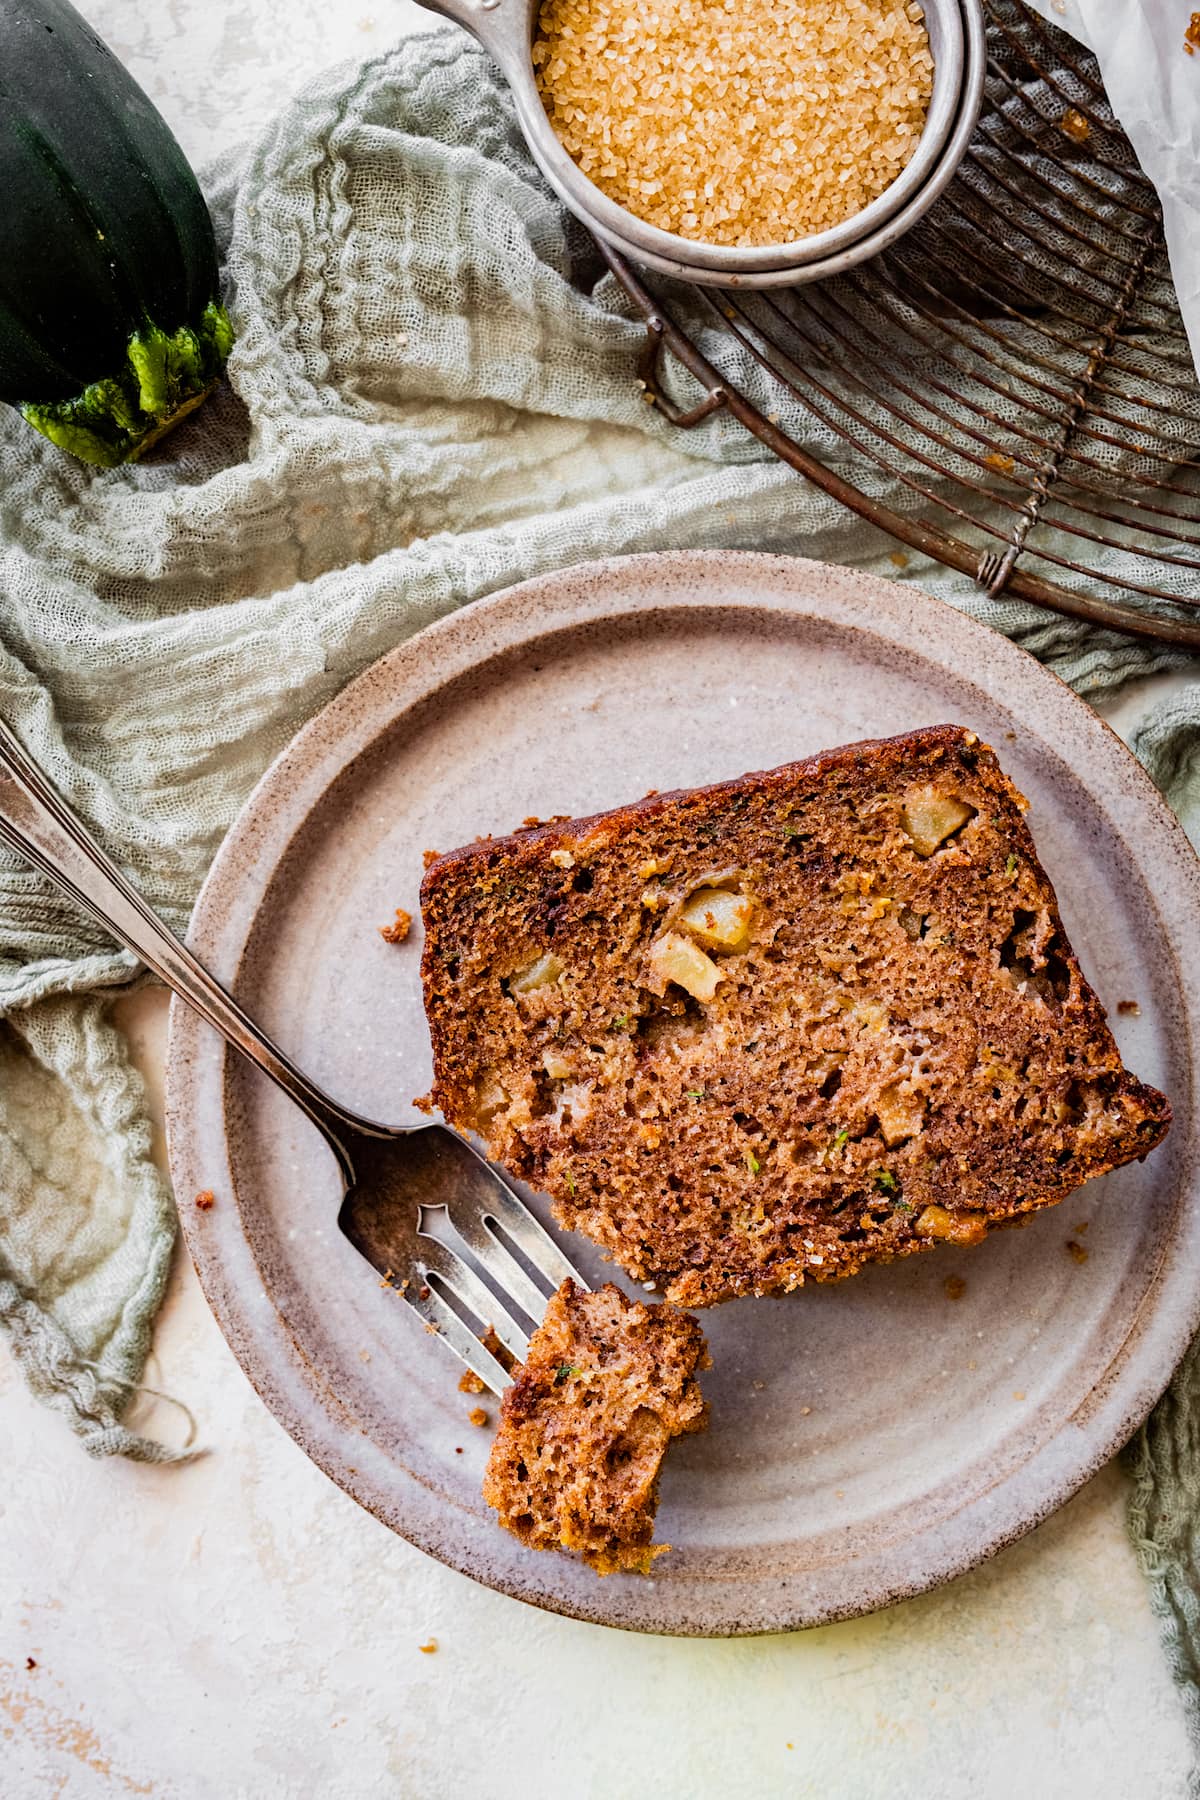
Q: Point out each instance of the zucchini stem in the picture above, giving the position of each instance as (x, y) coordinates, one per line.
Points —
(165, 376)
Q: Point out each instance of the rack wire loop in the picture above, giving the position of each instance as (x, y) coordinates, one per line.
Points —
(648, 378)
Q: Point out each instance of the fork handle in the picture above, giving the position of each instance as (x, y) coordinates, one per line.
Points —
(38, 824)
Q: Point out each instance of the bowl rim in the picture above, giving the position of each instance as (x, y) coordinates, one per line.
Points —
(504, 28)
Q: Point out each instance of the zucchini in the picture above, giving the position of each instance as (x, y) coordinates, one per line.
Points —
(111, 326)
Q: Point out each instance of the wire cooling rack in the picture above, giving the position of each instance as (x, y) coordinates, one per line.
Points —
(1009, 389)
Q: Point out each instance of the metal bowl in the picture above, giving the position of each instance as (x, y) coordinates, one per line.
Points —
(506, 28)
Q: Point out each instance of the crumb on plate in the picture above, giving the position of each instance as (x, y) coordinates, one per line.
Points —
(494, 1347)
(398, 930)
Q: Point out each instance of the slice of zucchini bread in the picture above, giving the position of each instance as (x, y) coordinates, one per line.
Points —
(584, 1427)
(780, 1027)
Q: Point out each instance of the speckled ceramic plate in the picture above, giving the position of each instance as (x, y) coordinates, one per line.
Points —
(867, 1439)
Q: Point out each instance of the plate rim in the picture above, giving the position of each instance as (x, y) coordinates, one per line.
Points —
(277, 809)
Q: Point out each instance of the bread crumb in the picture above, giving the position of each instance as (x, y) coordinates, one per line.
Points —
(30, 1663)
(955, 1287)
(1076, 1252)
(205, 1200)
(899, 558)
(1129, 1009)
(606, 1384)
(494, 1347)
(429, 857)
(995, 459)
(478, 1416)
(1075, 126)
(428, 1649)
(398, 930)
(471, 1383)
(364, 1356)
(1191, 36)
(1018, 1393)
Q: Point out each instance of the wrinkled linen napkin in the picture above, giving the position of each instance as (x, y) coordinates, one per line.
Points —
(432, 397)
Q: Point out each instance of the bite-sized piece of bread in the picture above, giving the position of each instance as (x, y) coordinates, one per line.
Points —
(584, 1427)
(780, 1027)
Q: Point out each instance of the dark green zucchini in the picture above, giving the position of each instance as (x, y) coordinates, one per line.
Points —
(111, 326)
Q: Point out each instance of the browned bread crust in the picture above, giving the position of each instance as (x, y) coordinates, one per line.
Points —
(585, 1425)
(899, 1048)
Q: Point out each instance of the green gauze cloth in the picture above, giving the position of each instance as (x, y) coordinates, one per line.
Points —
(432, 396)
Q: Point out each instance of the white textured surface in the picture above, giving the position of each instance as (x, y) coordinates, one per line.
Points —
(239, 1628)
(218, 69)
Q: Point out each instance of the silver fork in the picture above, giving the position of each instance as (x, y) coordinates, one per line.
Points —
(397, 1184)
